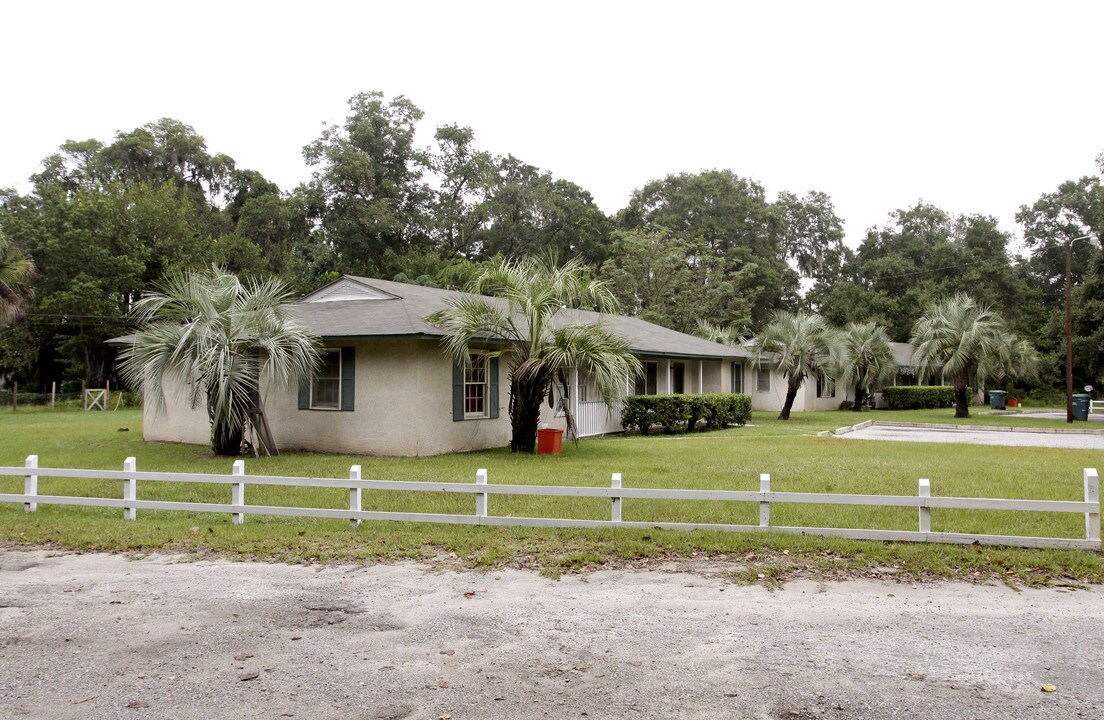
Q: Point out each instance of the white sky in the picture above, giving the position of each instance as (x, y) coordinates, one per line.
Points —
(972, 106)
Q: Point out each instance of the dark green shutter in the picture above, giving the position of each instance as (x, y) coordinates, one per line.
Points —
(492, 390)
(457, 391)
(348, 377)
(304, 393)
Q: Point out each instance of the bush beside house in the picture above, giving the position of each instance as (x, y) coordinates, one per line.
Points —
(920, 397)
(685, 413)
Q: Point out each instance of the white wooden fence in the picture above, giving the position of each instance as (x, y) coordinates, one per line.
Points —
(481, 489)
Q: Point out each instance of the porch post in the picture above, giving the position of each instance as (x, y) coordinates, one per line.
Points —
(573, 400)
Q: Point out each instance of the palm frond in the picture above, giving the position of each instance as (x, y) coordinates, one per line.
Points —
(799, 344)
(863, 356)
(221, 338)
(953, 337)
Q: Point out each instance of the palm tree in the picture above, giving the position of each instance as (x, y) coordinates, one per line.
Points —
(725, 335)
(1013, 359)
(800, 345)
(952, 339)
(536, 347)
(16, 270)
(224, 339)
(863, 359)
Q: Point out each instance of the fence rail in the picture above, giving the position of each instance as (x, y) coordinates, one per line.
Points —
(482, 489)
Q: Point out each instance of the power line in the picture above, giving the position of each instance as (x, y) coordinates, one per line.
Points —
(960, 265)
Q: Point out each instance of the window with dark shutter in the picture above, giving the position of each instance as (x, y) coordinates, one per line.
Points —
(334, 384)
(475, 388)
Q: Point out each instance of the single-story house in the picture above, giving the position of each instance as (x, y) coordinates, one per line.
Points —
(387, 387)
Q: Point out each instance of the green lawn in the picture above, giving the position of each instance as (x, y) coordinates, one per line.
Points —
(732, 459)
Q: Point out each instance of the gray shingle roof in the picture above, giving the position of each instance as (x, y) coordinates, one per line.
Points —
(404, 315)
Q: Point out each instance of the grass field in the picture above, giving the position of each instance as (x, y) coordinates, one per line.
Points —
(731, 459)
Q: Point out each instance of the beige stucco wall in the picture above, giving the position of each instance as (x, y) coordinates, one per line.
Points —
(403, 406)
(177, 421)
(806, 399)
(711, 373)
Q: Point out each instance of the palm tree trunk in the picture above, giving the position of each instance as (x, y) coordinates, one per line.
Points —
(226, 439)
(526, 396)
(962, 405)
(860, 395)
(791, 393)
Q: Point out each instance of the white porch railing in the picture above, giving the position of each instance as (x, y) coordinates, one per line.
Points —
(596, 418)
(481, 489)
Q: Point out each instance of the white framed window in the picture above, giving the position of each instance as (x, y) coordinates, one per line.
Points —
(762, 378)
(476, 387)
(737, 377)
(333, 386)
(826, 387)
(325, 388)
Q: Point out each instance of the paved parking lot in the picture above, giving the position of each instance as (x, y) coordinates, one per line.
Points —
(1024, 437)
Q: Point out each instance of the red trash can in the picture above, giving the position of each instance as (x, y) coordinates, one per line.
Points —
(549, 441)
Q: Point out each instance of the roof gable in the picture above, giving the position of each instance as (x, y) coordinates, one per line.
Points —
(346, 288)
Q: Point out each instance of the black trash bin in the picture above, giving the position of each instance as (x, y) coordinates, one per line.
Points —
(1081, 407)
(997, 399)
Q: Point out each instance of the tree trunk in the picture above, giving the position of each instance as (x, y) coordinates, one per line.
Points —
(526, 396)
(962, 405)
(226, 435)
(791, 393)
(225, 439)
(860, 396)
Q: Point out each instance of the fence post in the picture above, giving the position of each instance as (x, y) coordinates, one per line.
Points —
(354, 495)
(764, 506)
(130, 488)
(237, 492)
(1092, 495)
(30, 483)
(615, 483)
(925, 512)
(481, 498)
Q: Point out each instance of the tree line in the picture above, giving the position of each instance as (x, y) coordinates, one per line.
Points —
(104, 222)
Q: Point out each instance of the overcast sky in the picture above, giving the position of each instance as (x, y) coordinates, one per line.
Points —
(972, 106)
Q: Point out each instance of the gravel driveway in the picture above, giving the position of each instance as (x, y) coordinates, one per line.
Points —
(101, 636)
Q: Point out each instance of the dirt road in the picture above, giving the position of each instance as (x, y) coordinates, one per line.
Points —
(101, 636)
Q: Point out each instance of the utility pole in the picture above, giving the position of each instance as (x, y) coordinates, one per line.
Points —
(1069, 327)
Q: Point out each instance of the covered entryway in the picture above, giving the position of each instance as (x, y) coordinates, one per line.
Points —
(592, 415)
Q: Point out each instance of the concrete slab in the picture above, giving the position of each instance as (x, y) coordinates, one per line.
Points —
(1093, 417)
(1027, 437)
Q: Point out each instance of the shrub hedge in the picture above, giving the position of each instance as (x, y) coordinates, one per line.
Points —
(685, 413)
(920, 397)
